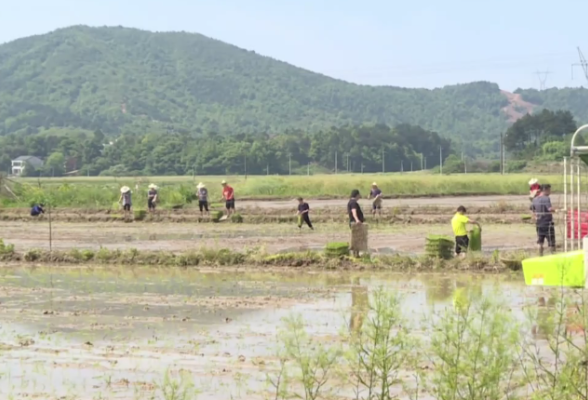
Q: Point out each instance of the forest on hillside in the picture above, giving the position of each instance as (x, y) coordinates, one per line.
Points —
(124, 82)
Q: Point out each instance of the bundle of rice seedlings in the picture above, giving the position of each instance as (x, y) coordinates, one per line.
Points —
(475, 239)
(236, 218)
(337, 249)
(359, 237)
(215, 216)
(438, 246)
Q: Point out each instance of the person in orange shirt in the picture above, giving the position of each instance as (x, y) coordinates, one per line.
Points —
(229, 198)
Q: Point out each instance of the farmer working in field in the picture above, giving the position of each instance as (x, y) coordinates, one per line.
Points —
(376, 195)
(459, 224)
(354, 212)
(202, 193)
(543, 214)
(229, 198)
(152, 197)
(303, 210)
(534, 189)
(125, 199)
(37, 210)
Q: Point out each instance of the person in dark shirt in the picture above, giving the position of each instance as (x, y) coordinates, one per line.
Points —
(353, 208)
(36, 210)
(303, 211)
(543, 213)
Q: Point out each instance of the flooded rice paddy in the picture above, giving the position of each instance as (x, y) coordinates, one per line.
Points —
(79, 333)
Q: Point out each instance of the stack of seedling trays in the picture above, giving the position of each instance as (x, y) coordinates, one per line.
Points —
(438, 246)
(337, 249)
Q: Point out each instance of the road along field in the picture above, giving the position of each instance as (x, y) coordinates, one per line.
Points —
(487, 209)
(143, 333)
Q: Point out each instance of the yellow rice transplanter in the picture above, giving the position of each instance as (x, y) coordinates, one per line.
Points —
(570, 268)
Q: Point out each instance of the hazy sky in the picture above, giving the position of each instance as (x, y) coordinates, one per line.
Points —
(427, 43)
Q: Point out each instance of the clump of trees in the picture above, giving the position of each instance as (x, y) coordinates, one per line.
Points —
(367, 148)
(542, 136)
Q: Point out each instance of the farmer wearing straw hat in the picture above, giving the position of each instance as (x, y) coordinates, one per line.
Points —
(125, 198)
(152, 197)
(202, 194)
(376, 194)
(534, 188)
(229, 198)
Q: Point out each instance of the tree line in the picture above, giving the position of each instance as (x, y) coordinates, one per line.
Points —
(365, 148)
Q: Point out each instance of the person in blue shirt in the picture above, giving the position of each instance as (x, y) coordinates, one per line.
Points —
(36, 210)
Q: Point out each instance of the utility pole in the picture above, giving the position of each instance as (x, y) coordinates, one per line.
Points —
(411, 166)
(335, 163)
(422, 165)
(440, 160)
(401, 166)
(583, 64)
(501, 154)
(308, 169)
(542, 75)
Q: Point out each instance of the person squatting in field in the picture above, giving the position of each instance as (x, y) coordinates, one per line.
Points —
(229, 198)
(376, 195)
(543, 214)
(303, 211)
(37, 210)
(152, 197)
(459, 224)
(202, 194)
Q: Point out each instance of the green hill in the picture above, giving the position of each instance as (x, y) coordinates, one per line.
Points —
(125, 80)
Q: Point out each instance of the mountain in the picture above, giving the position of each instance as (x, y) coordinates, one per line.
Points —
(121, 80)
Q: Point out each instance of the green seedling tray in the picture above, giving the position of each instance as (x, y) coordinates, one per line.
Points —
(564, 269)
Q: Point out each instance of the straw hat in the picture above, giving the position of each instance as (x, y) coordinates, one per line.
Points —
(374, 184)
(125, 189)
(533, 181)
(200, 185)
(223, 182)
(152, 186)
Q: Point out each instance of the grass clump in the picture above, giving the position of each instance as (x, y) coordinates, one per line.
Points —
(237, 218)
(6, 250)
(140, 215)
(438, 246)
(337, 249)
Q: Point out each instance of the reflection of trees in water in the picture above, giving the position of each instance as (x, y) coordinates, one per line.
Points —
(439, 290)
(359, 306)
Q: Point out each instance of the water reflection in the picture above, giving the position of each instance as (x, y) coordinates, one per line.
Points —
(359, 305)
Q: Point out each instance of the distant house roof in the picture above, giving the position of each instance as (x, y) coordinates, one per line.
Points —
(34, 161)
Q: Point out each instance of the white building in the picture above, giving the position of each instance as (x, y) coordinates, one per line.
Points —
(19, 164)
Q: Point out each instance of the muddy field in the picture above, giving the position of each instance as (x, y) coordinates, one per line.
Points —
(384, 238)
(138, 334)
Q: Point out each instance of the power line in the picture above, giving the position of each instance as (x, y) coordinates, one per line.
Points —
(582, 64)
(542, 75)
(499, 63)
